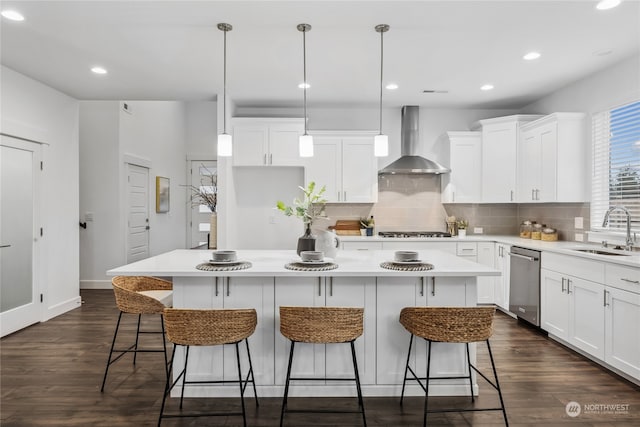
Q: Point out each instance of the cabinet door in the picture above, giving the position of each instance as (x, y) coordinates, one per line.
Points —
(308, 359)
(359, 170)
(622, 334)
(530, 162)
(586, 315)
(486, 285)
(325, 167)
(283, 144)
(257, 293)
(353, 292)
(502, 283)
(250, 145)
(466, 170)
(394, 293)
(554, 304)
(499, 162)
(547, 182)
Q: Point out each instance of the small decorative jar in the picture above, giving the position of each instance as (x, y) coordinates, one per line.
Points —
(536, 232)
(525, 229)
(549, 235)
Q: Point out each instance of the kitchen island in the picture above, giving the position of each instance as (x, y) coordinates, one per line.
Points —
(358, 281)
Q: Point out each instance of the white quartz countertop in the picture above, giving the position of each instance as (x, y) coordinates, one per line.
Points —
(182, 262)
(631, 259)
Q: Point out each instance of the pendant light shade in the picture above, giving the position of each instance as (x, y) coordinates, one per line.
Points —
(225, 143)
(381, 141)
(306, 141)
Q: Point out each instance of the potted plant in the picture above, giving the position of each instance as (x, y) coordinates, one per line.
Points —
(309, 209)
(462, 227)
(207, 194)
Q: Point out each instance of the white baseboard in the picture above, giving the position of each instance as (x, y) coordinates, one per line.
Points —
(95, 284)
(62, 308)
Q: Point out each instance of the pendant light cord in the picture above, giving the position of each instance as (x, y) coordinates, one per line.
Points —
(224, 99)
(304, 75)
(381, 70)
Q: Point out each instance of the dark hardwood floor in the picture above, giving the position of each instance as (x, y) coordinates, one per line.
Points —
(51, 375)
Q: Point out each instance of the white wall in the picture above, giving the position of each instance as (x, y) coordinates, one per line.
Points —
(34, 111)
(153, 134)
(201, 129)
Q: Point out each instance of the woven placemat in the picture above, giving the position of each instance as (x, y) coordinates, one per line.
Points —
(390, 265)
(241, 265)
(298, 266)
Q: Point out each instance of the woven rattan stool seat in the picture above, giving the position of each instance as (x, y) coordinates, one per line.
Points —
(321, 324)
(209, 327)
(449, 324)
(129, 299)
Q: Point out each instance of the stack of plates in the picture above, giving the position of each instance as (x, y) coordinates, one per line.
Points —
(224, 258)
(406, 258)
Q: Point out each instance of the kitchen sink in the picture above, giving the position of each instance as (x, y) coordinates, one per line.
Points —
(600, 252)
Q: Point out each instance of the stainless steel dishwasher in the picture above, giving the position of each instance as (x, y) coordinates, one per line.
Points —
(524, 291)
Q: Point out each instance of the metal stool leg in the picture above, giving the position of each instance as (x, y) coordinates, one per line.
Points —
(469, 368)
(244, 415)
(253, 379)
(426, 393)
(286, 384)
(406, 369)
(359, 389)
(135, 354)
(167, 387)
(495, 374)
(184, 378)
(164, 346)
(113, 342)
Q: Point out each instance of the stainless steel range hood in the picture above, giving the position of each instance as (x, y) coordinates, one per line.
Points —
(409, 163)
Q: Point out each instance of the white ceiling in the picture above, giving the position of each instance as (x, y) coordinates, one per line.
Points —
(173, 50)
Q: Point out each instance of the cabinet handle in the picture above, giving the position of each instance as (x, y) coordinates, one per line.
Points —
(228, 287)
(533, 194)
(537, 194)
(453, 196)
(422, 286)
(467, 249)
(330, 286)
(433, 289)
(637, 282)
(265, 159)
(345, 196)
(563, 279)
(512, 195)
(216, 286)
(319, 286)
(270, 159)
(569, 281)
(605, 298)
(338, 195)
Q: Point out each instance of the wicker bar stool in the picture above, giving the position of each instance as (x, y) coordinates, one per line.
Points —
(451, 325)
(209, 328)
(139, 295)
(322, 325)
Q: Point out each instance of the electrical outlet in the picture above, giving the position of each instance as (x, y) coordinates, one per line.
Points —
(88, 216)
(478, 230)
(578, 223)
(579, 237)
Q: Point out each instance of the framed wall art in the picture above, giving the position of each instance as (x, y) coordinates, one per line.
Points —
(162, 194)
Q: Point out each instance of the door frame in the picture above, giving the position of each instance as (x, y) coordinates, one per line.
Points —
(13, 323)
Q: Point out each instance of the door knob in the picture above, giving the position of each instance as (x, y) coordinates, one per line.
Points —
(147, 227)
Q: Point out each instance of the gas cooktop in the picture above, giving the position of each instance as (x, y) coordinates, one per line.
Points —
(413, 234)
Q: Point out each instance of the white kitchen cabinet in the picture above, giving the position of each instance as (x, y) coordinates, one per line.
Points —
(586, 316)
(499, 157)
(235, 292)
(462, 154)
(345, 164)
(554, 304)
(266, 142)
(552, 158)
(395, 293)
(622, 332)
(502, 283)
(317, 360)
(396, 245)
(486, 285)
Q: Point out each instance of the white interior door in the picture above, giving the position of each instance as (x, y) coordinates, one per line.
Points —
(137, 213)
(19, 233)
(201, 173)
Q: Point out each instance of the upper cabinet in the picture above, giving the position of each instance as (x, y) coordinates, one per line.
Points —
(551, 160)
(499, 157)
(267, 141)
(345, 164)
(464, 183)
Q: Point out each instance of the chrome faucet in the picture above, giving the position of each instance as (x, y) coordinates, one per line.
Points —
(629, 242)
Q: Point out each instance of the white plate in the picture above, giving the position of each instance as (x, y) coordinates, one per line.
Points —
(415, 261)
(325, 261)
(211, 261)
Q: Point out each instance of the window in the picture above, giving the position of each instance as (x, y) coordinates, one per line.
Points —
(616, 167)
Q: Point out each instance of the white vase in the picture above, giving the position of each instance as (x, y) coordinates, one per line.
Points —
(462, 233)
(213, 231)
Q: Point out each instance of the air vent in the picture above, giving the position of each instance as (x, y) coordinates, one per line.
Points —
(434, 91)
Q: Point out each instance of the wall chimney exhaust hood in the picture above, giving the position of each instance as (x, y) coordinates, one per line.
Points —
(409, 163)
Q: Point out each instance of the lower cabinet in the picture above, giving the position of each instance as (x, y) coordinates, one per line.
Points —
(502, 283)
(622, 336)
(486, 285)
(331, 360)
(395, 293)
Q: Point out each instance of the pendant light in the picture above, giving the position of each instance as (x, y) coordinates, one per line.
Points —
(225, 146)
(305, 142)
(381, 141)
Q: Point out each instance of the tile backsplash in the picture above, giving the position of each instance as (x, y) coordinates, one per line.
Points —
(413, 203)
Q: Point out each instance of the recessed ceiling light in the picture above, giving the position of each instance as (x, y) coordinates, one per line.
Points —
(12, 15)
(391, 86)
(486, 87)
(531, 56)
(99, 70)
(304, 85)
(607, 4)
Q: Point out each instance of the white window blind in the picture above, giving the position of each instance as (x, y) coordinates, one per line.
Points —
(616, 167)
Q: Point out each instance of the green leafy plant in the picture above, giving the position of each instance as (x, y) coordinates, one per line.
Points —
(462, 224)
(366, 223)
(310, 208)
(207, 192)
